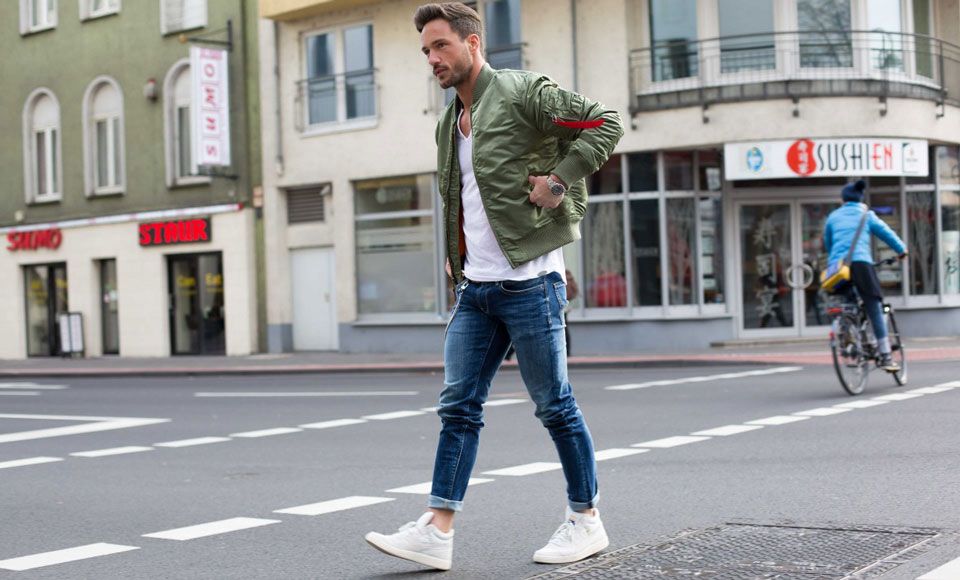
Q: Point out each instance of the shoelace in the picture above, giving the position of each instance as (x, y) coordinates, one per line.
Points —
(564, 533)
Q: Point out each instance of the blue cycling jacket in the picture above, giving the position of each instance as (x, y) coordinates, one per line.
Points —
(842, 226)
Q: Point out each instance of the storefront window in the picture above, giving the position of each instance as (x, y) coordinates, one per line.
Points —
(645, 252)
(396, 254)
(681, 250)
(887, 208)
(711, 174)
(678, 170)
(948, 166)
(197, 316)
(604, 269)
(950, 218)
(821, 45)
(608, 179)
(673, 30)
(743, 44)
(109, 305)
(921, 208)
(643, 172)
(46, 299)
(711, 247)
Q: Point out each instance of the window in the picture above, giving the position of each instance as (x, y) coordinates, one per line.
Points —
(109, 307)
(921, 211)
(41, 147)
(886, 39)
(950, 237)
(673, 35)
(307, 204)
(181, 169)
(887, 208)
(743, 42)
(923, 26)
(104, 142)
(97, 8)
(503, 34)
(820, 43)
(397, 265)
(177, 15)
(37, 15)
(340, 84)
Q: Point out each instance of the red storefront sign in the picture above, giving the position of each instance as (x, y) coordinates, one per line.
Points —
(175, 232)
(50, 239)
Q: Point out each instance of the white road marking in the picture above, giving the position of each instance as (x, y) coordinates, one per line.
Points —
(28, 461)
(616, 453)
(861, 404)
(334, 423)
(822, 412)
(727, 430)
(951, 384)
(192, 442)
(62, 556)
(670, 442)
(897, 397)
(94, 424)
(268, 394)
(211, 529)
(111, 451)
(701, 379)
(526, 469)
(949, 571)
(334, 505)
(430, 409)
(267, 432)
(19, 394)
(502, 402)
(32, 386)
(931, 390)
(425, 487)
(393, 415)
(777, 420)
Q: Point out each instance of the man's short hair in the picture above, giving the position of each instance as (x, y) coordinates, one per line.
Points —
(463, 19)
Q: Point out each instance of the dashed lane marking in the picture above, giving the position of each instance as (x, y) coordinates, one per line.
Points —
(727, 430)
(92, 425)
(616, 453)
(898, 397)
(667, 442)
(192, 442)
(62, 556)
(19, 394)
(703, 379)
(393, 415)
(425, 487)
(526, 469)
(861, 404)
(822, 412)
(32, 386)
(776, 420)
(334, 505)
(949, 571)
(29, 461)
(931, 390)
(112, 451)
(267, 432)
(211, 529)
(333, 423)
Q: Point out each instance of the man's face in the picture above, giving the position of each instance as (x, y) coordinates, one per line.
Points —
(447, 54)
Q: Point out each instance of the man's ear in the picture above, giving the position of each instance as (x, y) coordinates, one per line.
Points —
(474, 41)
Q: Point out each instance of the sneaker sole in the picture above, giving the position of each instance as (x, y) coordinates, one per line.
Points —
(375, 541)
(600, 544)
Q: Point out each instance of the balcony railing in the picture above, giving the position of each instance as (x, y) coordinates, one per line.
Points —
(681, 73)
(328, 100)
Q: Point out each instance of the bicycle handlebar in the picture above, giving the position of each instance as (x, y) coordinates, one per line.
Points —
(887, 262)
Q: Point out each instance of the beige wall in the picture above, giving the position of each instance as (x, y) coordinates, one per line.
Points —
(141, 284)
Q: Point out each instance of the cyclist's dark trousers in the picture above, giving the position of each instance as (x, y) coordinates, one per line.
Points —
(868, 286)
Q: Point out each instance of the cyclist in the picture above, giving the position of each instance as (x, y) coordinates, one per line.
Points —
(838, 234)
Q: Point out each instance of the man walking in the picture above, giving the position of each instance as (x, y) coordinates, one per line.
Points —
(513, 151)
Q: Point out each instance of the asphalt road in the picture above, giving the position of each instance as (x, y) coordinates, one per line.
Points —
(892, 464)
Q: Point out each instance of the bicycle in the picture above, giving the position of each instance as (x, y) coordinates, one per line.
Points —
(854, 346)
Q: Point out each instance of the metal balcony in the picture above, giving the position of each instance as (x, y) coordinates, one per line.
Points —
(794, 65)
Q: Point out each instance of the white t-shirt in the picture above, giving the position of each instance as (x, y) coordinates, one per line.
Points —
(485, 260)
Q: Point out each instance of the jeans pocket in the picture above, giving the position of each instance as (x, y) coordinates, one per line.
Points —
(561, 290)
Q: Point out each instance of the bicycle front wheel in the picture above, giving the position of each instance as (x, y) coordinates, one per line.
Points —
(896, 349)
(849, 361)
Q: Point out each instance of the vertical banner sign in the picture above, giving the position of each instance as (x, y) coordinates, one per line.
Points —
(211, 106)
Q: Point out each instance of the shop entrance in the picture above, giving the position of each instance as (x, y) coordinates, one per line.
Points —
(780, 256)
(196, 304)
(46, 299)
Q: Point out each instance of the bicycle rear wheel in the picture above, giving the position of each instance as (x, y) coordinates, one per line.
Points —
(849, 361)
(896, 349)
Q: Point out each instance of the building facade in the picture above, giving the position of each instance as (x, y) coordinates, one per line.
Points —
(744, 119)
(106, 210)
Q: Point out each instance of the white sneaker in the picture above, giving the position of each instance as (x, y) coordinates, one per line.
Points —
(419, 542)
(579, 537)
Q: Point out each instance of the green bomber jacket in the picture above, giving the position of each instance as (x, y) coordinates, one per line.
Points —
(523, 124)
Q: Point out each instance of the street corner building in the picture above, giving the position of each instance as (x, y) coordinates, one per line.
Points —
(744, 120)
(127, 221)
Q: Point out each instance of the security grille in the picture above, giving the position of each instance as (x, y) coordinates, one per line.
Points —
(306, 205)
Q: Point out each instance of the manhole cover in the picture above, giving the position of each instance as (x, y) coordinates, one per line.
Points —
(736, 551)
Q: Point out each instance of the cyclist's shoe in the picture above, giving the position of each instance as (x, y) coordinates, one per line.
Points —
(888, 364)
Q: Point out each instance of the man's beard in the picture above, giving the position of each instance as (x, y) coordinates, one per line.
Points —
(459, 72)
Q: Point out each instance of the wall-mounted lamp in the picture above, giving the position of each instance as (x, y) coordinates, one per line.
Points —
(150, 90)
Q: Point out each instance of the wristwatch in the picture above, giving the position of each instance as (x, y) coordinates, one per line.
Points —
(556, 188)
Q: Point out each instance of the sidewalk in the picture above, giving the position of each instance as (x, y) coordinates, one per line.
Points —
(804, 352)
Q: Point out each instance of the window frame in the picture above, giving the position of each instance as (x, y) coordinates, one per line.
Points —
(171, 130)
(27, 17)
(342, 123)
(166, 29)
(88, 13)
(53, 153)
(116, 143)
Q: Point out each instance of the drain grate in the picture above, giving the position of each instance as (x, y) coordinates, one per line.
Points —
(739, 551)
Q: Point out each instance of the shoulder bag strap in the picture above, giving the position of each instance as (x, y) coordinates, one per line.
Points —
(856, 236)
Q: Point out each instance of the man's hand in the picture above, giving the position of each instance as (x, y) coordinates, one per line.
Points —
(904, 255)
(541, 195)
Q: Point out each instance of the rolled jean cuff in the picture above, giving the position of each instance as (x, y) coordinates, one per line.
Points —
(445, 504)
(580, 505)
